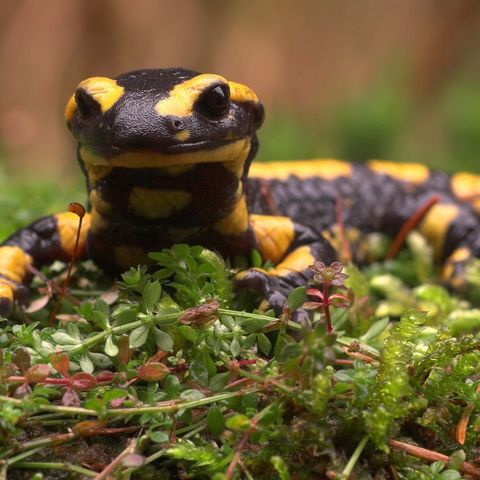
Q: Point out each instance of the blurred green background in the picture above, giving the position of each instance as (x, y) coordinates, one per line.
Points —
(396, 79)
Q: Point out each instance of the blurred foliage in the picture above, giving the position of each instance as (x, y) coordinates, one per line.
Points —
(375, 124)
(23, 200)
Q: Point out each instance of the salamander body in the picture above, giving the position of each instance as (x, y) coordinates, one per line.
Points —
(167, 155)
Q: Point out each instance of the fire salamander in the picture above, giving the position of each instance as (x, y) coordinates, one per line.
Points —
(166, 154)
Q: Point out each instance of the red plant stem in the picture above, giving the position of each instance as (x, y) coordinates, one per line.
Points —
(51, 381)
(409, 225)
(69, 272)
(55, 381)
(239, 448)
(52, 284)
(326, 307)
(431, 456)
(107, 472)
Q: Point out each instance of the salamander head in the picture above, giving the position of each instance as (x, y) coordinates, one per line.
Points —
(162, 117)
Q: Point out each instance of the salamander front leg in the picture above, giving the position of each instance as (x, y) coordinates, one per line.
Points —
(48, 239)
(292, 248)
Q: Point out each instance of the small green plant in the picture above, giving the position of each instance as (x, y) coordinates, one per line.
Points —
(167, 378)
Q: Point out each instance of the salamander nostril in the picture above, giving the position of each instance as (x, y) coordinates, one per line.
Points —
(177, 124)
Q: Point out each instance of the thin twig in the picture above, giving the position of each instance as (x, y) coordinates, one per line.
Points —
(409, 225)
(131, 447)
(431, 456)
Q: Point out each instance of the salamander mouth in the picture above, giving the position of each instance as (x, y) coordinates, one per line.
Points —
(112, 150)
(197, 146)
(205, 151)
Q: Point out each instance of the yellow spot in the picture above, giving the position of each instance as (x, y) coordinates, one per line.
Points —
(6, 290)
(241, 93)
(13, 263)
(435, 225)
(98, 203)
(98, 223)
(92, 159)
(70, 108)
(460, 255)
(297, 261)
(97, 172)
(67, 226)
(182, 97)
(236, 222)
(127, 256)
(408, 172)
(225, 153)
(152, 203)
(466, 187)
(235, 166)
(105, 91)
(328, 169)
(182, 135)
(274, 235)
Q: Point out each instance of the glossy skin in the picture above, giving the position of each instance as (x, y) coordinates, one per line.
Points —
(166, 154)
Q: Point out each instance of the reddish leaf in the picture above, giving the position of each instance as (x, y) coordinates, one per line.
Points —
(60, 363)
(152, 372)
(21, 358)
(38, 303)
(37, 373)
(313, 292)
(104, 376)
(68, 317)
(110, 295)
(124, 350)
(83, 381)
(70, 398)
(22, 391)
(133, 460)
(201, 316)
(88, 428)
(117, 402)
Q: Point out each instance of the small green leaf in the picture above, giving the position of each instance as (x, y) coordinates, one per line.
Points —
(296, 298)
(62, 338)
(151, 295)
(219, 381)
(264, 343)
(192, 394)
(282, 340)
(86, 364)
(215, 420)
(159, 436)
(199, 373)
(237, 423)
(163, 340)
(100, 319)
(99, 359)
(228, 321)
(110, 348)
(290, 350)
(138, 336)
(256, 258)
(375, 330)
(281, 467)
(249, 342)
(188, 333)
(235, 347)
(171, 386)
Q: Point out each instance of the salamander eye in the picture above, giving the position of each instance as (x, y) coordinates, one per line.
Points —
(86, 104)
(214, 103)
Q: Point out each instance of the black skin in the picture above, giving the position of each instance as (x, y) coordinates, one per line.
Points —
(372, 201)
